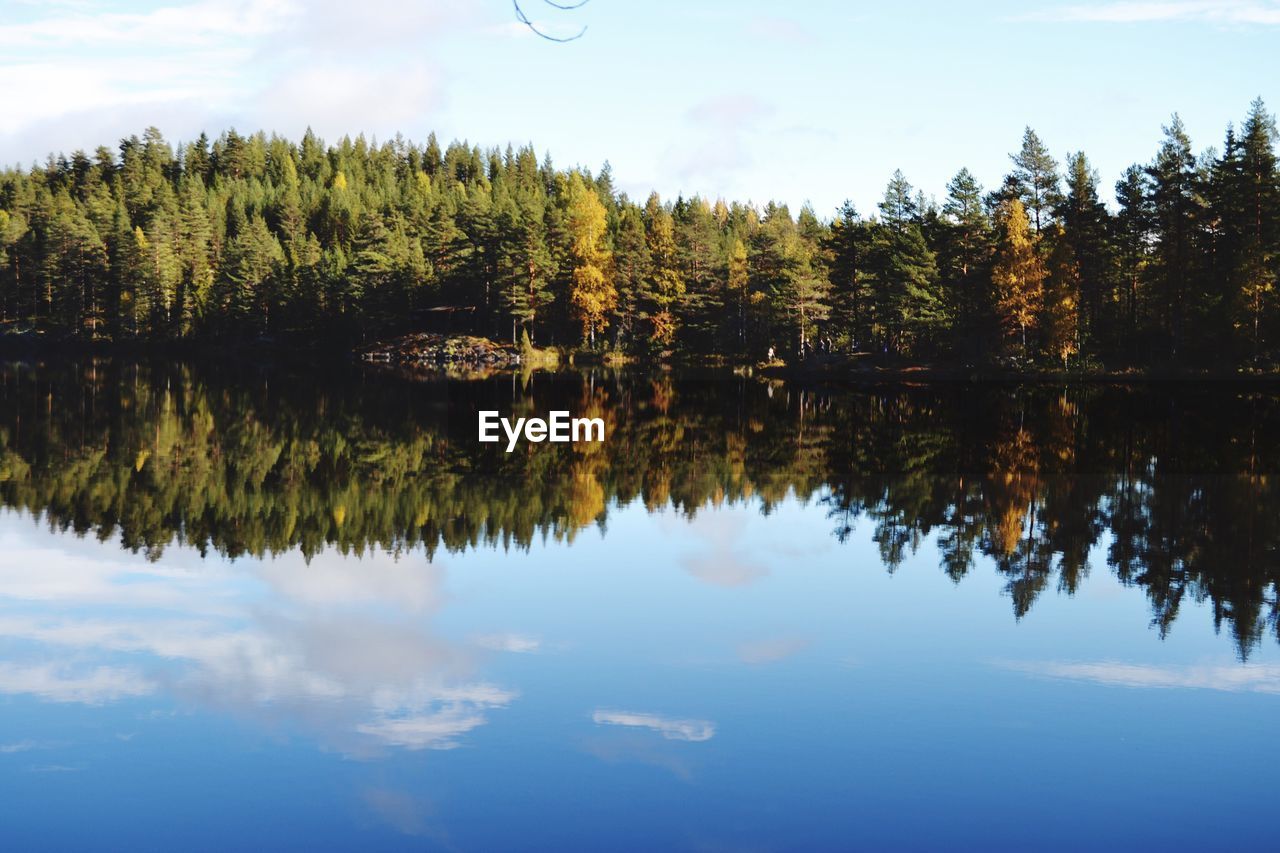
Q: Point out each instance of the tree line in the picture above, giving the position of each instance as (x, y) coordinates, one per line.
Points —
(1174, 491)
(253, 236)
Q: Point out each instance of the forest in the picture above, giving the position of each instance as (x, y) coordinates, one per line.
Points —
(257, 238)
(1172, 490)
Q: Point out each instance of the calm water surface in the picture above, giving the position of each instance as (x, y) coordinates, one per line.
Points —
(242, 608)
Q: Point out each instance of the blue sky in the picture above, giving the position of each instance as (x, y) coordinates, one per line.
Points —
(816, 100)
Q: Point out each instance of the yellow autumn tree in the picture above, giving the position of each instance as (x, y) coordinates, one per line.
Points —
(737, 287)
(667, 284)
(591, 290)
(1062, 301)
(1019, 274)
(1011, 489)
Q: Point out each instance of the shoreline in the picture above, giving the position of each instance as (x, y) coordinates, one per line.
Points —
(294, 354)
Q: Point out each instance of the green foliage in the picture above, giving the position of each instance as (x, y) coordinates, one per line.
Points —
(1035, 177)
(247, 236)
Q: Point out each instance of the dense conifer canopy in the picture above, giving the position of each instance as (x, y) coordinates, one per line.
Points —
(245, 237)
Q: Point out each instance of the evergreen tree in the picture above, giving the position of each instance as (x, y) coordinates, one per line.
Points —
(1132, 230)
(702, 265)
(250, 234)
(1254, 266)
(899, 204)
(253, 259)
(907, 301)
(964, 261)
(1085, 228)
(849, 246)
(1175, 207)
(634, 266)
(1036, 178)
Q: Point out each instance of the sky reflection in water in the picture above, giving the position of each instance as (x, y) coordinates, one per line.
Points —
(612, 687)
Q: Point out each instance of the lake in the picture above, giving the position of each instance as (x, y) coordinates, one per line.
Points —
(269, 608)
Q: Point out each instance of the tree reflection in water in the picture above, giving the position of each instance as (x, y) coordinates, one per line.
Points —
(1175, 483)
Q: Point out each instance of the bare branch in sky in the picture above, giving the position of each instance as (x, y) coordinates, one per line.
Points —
(524, 19)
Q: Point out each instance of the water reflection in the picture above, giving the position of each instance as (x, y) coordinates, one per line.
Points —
(345, 648)
(1177, 483)
(759, 616)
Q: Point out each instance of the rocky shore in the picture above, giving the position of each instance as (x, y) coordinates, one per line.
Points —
(427, 350)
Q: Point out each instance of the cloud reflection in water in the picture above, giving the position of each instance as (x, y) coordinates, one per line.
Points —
(342, 646)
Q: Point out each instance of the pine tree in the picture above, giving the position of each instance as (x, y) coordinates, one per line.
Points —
(253, 260)
(193, 247)
(634, 266)
(702, 270)
(524, 262)
(1036, 177)
(360, 238)
(803, 294)
(899, 204)
(907, 303)
(906, 297)
(145, 301)
(1132, 229)
(1175, 210)
(1085, 227)
(849, 246)
(1255, 266)
(964, 260)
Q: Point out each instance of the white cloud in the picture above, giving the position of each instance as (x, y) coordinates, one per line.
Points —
(782, 30)
(18, 746)
(1205, 11)
(730, 112)
(722, 562)
(771, 650)
(694, 731)
(1239, 678)
(406, 814)
(335, 580)
(183, 26)
(514, 643)
(439, 730)
(72, 71)
(54, 683)
(717, 148)
(73, 576)
(438, 720)
(338, 647)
